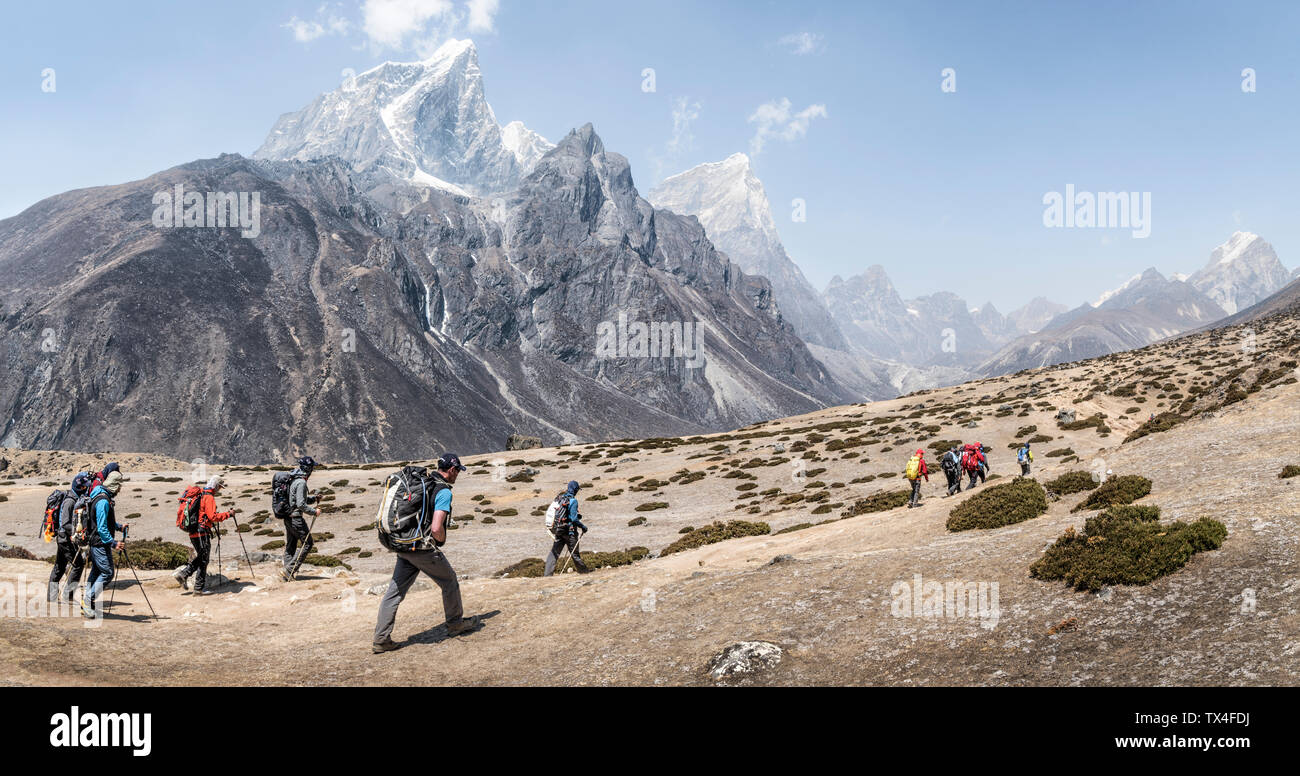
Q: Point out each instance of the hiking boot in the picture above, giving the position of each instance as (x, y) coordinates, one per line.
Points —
(87, 612)
(181, 578)
(284, 576)
(387, 645)
(465, 625)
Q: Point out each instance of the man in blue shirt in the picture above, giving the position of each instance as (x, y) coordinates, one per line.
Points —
(427, 557)
(565, 532)
(101, 541)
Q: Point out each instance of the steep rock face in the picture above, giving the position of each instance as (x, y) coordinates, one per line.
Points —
(425, 122)
(1242, 272)
(732, 205)
(371, 319)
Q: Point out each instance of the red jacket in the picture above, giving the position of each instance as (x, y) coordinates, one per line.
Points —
(208, 514)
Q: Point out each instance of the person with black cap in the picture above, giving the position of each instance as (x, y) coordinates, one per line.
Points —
(564, 529)
(295, 527)
(69, 557)
(427, 557)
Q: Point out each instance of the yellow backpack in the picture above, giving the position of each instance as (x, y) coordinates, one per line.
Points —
(914, 467)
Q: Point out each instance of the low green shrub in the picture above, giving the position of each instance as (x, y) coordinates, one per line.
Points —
(1125, 545)
(154, 554)
(1116, 491)
(1072, 482)
(1288, 471)
(1162, 422)
(1004, 504)
(880, 501)
(716, 532)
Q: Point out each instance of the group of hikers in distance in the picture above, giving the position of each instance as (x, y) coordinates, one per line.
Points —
(414, 515)
(970, 459)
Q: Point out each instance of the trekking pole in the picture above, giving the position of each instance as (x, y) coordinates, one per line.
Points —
(303, 547)
(134, 574)
(571, 551)
(217, 528)
(244, 546)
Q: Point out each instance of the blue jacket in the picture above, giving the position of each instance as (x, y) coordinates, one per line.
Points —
(105, 524)
(573, 512)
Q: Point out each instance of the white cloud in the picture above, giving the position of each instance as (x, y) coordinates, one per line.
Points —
(802, 43)
(394, 23)
(685, 112)
(328, 21)
(776, 122)
(482, 14)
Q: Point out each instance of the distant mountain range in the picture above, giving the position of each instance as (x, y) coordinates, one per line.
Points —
(381, 311)
(422, 278)
(1243, 271)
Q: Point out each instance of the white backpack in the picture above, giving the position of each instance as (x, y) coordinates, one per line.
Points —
(557, 510)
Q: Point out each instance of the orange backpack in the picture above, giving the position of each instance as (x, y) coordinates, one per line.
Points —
(187, 514)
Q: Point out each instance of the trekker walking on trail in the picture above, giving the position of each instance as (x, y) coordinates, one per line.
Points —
(916, 469)
(69, 557)
(296, 504)
(199, 516)
(951, 465)
(564, 524)
(984, 462)
(102, 544)
(971, 458)
(424, 554)
(1025, 456)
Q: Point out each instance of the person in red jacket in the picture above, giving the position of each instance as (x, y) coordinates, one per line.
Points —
(921, 471)
(201, 536)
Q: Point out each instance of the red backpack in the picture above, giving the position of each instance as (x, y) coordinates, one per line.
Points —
(187, 514)
(970, 458)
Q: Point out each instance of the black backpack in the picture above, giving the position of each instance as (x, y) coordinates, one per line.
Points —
(84, 530)
(280, 485)
(51, 527)
(405, 518)
(562, 523)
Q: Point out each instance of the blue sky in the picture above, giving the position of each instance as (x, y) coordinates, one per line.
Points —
(943, 189)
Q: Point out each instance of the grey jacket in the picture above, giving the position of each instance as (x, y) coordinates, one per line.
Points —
(299, 501)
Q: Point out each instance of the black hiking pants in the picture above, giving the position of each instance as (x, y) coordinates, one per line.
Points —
(1024, 470)
(295, 531)
(974, 477)
(568, 539)
(199, 566)
(69, 558)
(916, 492)
(954, 481)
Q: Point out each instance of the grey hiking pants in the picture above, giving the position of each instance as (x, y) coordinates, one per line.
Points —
(569, 540)
(916, 492)
(954, 481)
(409, 565)
(296, 531)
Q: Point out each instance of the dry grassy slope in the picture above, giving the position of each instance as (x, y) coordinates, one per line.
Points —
(660, 620)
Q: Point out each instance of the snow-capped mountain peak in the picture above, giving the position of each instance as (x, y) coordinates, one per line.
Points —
(1233, 249)
(527, 146)
(428, 122)
(731, 204)
(1242, 271)
(1117, 291)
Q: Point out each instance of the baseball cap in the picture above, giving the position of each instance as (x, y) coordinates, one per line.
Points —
(450, 461)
